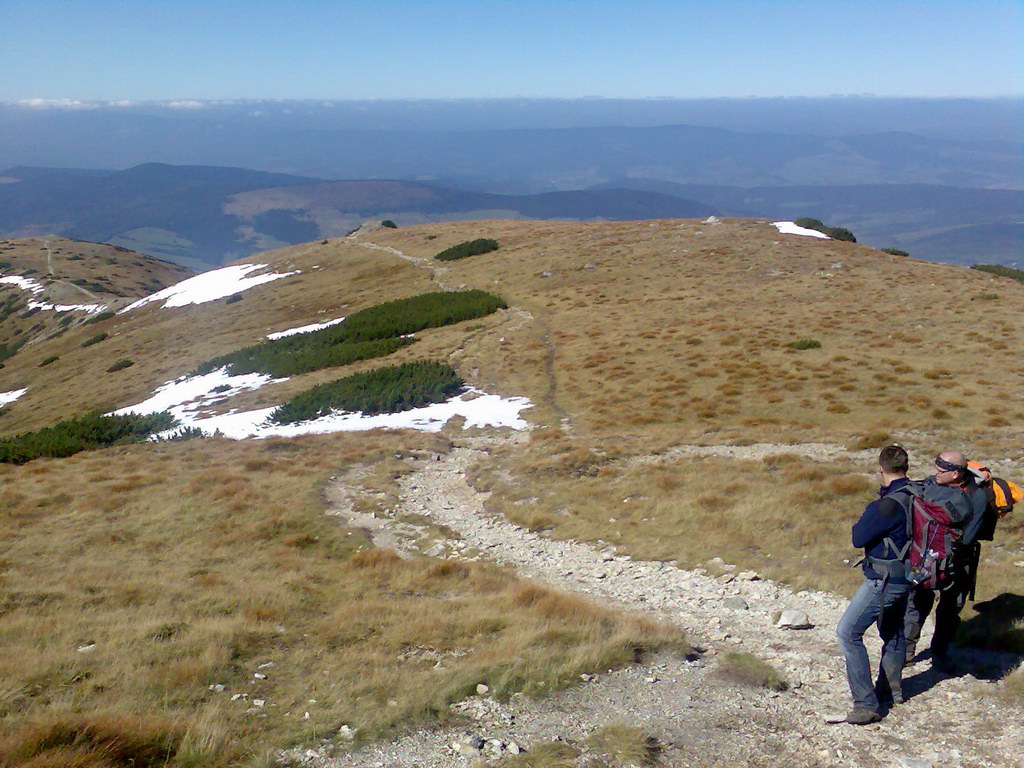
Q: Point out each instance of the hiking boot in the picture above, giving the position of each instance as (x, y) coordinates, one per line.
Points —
(943, 664)
(911, 653)
(862, 716)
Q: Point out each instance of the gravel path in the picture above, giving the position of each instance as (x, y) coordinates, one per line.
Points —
(699, 718)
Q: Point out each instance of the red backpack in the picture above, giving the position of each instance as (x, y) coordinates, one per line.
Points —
(934, 515)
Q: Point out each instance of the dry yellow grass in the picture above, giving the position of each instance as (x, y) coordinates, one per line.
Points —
(135, 578)
(630, 338)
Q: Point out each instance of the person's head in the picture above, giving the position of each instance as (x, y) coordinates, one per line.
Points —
(893, 462)
(950, 467)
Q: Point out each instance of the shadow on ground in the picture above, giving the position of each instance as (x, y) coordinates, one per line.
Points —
(989, 646)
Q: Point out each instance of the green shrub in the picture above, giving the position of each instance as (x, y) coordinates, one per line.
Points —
(895, 251)
(809, 223)
(389, 224)
(120, 365)
(233, 298)
(468, 248)
(99, 317)
(372, 332)
(48, 360)
(836, 233)
(84, 433)
(805, 344)
(95, 339)
(1001, 271)
(384, 390)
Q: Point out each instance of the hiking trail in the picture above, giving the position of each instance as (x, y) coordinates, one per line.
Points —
(698, 718)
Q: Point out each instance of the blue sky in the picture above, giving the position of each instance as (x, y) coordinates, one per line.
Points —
(153, 50)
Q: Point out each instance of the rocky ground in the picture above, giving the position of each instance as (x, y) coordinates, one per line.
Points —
(698, 718)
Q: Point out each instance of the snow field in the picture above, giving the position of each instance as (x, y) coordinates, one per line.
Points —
(210, 286)
(789, 228)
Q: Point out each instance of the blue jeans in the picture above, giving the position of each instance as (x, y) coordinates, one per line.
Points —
(885, 605)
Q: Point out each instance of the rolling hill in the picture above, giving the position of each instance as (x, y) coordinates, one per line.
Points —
(202, 217)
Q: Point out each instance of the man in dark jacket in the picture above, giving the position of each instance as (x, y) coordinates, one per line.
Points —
(951, 471)
(882, 598)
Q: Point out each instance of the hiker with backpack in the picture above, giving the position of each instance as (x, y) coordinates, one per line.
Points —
(881, 599)
(951, 471)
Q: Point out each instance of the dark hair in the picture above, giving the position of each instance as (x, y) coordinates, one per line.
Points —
(894, 460)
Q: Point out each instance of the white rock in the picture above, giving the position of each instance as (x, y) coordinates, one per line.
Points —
(794, 619)
(482, 689)
(748, 576)
(514, 748)
(258, 702)
(87, 648)
(259, 675)
(346, 732)
(217, 687)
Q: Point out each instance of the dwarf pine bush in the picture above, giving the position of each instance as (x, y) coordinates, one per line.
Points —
(82, 434)
(468, 248)
(895, 251)
(94, 339)
(120, 365)
(372, 332)
(836, 233)
(384, 390)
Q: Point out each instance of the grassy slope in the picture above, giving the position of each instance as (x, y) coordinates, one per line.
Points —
(193, 564)
(642, 335)
(110, 275)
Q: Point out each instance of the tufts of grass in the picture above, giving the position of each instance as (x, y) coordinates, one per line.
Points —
(197, 562)
(94, 740)
(805, 344)
(748, 669)
(49, 359)
(622, 744)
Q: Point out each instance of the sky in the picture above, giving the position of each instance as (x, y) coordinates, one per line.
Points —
(395, 49)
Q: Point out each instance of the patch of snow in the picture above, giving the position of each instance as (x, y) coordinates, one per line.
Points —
(25, 283)
(789, 228)
(91, 308)
(304, 329)
(10, 397)
(210, 286)
(186, 396)
(479, 410)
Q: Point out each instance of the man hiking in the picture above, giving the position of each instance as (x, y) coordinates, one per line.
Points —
(882, 598)
(951, 471)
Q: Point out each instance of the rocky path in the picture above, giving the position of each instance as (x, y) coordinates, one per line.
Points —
(701, 720)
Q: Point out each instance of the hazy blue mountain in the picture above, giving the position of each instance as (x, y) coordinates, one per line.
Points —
(202, 216)
(511, 161)
(961, 119)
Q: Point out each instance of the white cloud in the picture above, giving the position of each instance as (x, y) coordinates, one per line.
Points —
(57, 104)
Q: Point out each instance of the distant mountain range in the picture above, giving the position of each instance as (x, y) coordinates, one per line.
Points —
(504, 160)
(202, 217)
